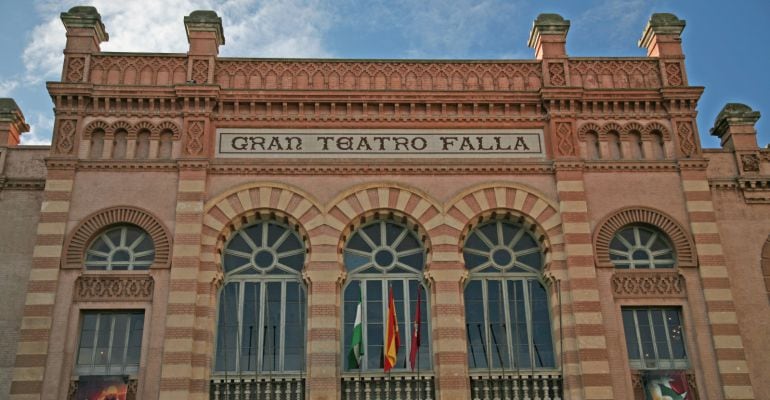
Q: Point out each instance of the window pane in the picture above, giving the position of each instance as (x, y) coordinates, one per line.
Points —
(227, 328)
(632, 340)
(541, 326)
(106, 340)
(520, 334)
(659, 332)
(474, 321)
(496, 325)
(272, 321)
(250, 326)
(294, 346)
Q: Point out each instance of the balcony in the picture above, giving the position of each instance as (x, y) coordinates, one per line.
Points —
(521, 386)
(396, 386)
(272, 387)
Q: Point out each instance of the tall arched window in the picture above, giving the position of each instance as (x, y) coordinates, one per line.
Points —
(379, 255)
(614, 146)
(641, 246)
(508, 321)
(261, 322)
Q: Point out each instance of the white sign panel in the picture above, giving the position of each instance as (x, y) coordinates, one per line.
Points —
(379, 143)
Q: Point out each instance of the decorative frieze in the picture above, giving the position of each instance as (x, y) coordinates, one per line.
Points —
(650, 283)
(114, 288)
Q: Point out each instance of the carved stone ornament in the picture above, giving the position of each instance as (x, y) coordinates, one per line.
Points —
(114, 288)
(194, 144)
(200, 71)
(556, 71)
(66, 138)
(565, 145)
(684, 132)
(647, 283)
(750, 162)
(75, 67)
(674, 74)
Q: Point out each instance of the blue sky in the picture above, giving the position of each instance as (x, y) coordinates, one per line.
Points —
(726, 43)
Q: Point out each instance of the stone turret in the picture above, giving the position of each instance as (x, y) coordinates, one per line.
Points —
(12, 123)
(549, 36)
(734, 126)
(204, 33)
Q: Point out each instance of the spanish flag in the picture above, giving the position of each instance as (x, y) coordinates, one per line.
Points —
(392, 340)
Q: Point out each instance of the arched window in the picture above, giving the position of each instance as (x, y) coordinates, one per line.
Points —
(592, 146)
(614, 146)
(123, 247)
(97, 144)
(119, 145)
(658, 146)
(508, 321)
(143, 145)
(261, 322)
(640, 246)
(637, 147)
(166, 143)
(380, 255)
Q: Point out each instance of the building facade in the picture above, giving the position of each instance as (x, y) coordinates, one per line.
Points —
(225, 228)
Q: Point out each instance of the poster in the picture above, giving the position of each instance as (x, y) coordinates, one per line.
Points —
(666, 385)
(102, 388)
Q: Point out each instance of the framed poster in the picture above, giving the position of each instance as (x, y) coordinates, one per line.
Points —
(108, 387)
(666, 385)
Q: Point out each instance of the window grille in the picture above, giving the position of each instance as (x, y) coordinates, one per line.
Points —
(262, 305)
(124, 247)
(379, 255)
(508, 322)
(640, 247)
(654, 338)
(110, 343)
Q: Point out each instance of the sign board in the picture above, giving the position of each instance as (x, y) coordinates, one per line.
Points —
(379, 143)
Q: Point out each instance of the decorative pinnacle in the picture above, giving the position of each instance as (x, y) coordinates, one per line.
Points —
(205, 20)
(547, 24)
(733, 114)
(85, 17)
(661, 24)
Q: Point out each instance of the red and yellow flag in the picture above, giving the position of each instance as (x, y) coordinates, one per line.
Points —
(392, 340)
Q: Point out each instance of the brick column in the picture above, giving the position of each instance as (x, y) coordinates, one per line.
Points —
(187, 338)
(450, 348)
(715, 277)
(584, 325)
(30, 373)
(324, 280)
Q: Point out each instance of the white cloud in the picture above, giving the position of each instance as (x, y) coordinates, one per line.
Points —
(256, 28)
(40, 129)
(614, 21)
(7, 86)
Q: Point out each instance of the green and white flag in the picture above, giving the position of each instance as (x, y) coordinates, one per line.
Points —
(356, 341)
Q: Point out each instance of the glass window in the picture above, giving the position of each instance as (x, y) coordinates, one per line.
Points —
(124, 247)
(381, 255)
(508, 322)
(637, 246)
(654, 338)
(110, 343)
(262, 312)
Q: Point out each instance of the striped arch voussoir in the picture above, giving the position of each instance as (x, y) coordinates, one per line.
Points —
(78, 241)
(508, 202)
(680, 239)
(766, 266)
(93, 126)
(586, 128)
(234, 210)
(364, 204)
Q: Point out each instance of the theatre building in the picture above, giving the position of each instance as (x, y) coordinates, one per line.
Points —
(204, 227)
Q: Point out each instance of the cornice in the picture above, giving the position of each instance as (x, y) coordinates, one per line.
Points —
(647, 166)
(127, 165)
(379, 167)
(7, 183)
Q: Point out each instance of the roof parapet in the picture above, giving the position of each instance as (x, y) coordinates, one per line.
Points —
(12, 123)
(662, 35)
(734, 126)
(204, 32)
(549, 36)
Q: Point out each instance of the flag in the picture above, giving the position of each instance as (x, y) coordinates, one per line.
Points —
(392, 340)
(665, 385)
(413, 353)
(356, 340)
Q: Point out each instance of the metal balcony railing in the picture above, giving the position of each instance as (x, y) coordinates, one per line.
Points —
(397, 386)
(523, 386)
(275, 387)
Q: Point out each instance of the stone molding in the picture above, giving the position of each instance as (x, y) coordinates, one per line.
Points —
(624, 129)
(114, 288)
(632, 284)
(131, 128)
(78, 241)
(681, 240)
